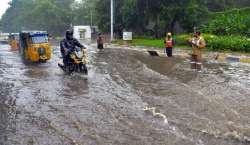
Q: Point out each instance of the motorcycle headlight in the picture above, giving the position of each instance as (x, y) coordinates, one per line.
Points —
(41, 51)
(79, 54)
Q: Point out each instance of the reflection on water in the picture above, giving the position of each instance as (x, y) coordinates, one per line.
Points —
(7, 111)
(128, 98)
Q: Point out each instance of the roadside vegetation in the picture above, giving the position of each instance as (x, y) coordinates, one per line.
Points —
(214, 43)
(225, 31)
(220, 43)
(225, 24)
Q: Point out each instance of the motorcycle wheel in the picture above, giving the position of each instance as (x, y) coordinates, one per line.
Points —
(70, 69)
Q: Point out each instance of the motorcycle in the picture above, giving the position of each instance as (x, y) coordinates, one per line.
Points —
(77, 62)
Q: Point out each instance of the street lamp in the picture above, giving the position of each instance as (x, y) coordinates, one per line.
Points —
(112, 20)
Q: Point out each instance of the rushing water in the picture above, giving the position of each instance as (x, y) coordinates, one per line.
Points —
(128, 98)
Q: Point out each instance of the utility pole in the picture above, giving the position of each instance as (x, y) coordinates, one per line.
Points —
(91, 18)
(195, 29)
(112, 20)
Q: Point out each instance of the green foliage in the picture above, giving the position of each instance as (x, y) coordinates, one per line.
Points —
(156, 43)
(151, 18)
(182, 39)
(232, 43)
(51, 15)
(194, 14)
(149, 42)
(221, 5)
(235, 21)
(154, 18)
(219, 43)
(213, 42)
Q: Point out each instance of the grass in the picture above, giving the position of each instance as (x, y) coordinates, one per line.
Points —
(148, 42)
(156, 43)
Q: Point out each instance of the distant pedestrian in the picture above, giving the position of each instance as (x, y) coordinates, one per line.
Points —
(169, 44)
(100, 41)
(198, 43)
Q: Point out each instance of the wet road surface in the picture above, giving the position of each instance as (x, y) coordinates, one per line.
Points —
(128, 98)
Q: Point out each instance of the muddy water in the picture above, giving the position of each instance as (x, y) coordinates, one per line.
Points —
(128, 98)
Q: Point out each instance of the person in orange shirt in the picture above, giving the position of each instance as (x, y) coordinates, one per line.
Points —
(169, 43)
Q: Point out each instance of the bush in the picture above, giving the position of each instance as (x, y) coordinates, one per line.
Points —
(236, 21)
(149, 42)
(220, 43)
(182, 39)
(233, 43)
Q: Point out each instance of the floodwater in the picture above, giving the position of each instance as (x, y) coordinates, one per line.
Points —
(128, 98)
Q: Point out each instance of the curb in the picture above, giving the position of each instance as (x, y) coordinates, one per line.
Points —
(245, 60)
(242, 59)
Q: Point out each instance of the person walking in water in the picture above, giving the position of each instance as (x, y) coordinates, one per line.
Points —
(169, 43)
(198, 43)
(100, 42)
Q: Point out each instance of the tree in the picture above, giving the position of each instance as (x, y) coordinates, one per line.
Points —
(144, 17)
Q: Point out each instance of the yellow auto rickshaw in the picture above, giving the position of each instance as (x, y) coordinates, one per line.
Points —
(34, 46)
(13, 41)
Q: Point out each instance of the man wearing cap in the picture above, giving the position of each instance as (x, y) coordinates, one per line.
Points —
(169, 43)
(67, 46)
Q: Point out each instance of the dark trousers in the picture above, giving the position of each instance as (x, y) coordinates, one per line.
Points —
(169, 51)
(100, 46)
(66, 59)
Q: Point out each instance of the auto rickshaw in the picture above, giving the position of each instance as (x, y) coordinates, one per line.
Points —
(13, 41)
(34, 46)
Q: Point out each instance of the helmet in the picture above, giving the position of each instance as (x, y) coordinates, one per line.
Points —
(169, 34)
(69, 34)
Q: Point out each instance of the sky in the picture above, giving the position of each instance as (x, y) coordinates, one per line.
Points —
(3, 6)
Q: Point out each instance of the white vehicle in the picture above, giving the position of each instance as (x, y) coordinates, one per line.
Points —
(82, 32)
(4, 38)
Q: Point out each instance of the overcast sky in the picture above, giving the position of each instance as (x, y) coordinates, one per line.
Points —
(3, 6)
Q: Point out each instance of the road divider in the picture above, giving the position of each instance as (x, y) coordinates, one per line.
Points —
(231, 59)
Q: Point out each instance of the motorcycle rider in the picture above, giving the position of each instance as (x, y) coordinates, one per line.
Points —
(67, 46)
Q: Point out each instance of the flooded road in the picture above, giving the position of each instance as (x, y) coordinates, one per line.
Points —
(128, 98)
